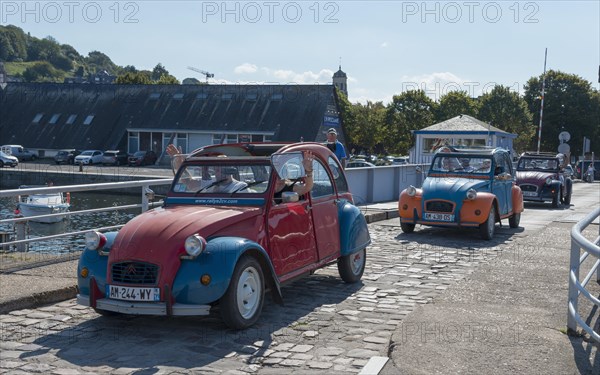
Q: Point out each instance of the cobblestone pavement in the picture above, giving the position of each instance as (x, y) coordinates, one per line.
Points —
(325, 326)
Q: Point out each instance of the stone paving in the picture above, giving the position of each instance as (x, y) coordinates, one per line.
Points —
(326, 326)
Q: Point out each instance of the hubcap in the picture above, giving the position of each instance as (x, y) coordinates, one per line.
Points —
(358, 260)
(248, 292)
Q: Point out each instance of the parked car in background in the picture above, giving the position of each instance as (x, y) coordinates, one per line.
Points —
(19, 152)
(464, 188)
(8, 160)
(582, 171)
(66, 156)
(359, 164)
(208, 245)
(541, 177)
(114, 157)
(400, 160)
(90, 157)
(142, 158)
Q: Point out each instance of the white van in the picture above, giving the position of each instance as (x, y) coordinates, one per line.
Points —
(19, 152)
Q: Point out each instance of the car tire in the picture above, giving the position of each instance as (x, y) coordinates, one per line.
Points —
(407, 227)
(106, 312)
(555, 199)
(514, 220)
(351, 267)
(489, 226)
(242, 303)
(567, 198)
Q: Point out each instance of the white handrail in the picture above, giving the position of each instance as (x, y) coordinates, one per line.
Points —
(577, 286)
(144, 184)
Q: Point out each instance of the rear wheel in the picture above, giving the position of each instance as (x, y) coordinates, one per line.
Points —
(488, 227)
(351, 267)
(567, 197)
(514, 220)
(242, 303)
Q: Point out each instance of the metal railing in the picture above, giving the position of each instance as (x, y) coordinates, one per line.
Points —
(576, 286)
(20, 222)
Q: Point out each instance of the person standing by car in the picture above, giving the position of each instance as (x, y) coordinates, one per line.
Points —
(336, 146)
(589, 175)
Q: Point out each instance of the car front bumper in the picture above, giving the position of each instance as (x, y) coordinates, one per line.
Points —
(145, 308)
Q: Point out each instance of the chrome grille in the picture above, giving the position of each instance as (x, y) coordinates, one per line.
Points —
(439, 206)
(134, 273)
(527, 187)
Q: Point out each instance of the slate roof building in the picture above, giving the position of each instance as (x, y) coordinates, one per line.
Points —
(462, 130)
(48, 117)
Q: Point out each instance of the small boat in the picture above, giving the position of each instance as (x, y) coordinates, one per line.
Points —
(44, 204)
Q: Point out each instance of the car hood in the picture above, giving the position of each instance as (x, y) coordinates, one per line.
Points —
(451, 188)
(158, 234)
(534, 177)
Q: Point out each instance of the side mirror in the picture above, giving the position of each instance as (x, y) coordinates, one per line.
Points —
(289, 197)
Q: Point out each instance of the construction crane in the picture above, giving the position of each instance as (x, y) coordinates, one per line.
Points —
(205, 73)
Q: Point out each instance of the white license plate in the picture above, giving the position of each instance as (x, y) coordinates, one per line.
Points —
(530, 194)
(133, 294)
(439, 217)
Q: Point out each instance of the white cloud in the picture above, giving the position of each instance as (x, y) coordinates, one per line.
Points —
(245, 68)
(384, 45)
(438, 84)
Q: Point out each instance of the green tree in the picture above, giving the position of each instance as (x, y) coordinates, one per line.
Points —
(133, 79)
(191, 81)
(456, 103)
(13, 44)
(411, 110)
(508, 111)
(570, 104)
(158, 71)
(167, 79)
(41, 72)
(370, 124)
(97, 61)
(42, 49)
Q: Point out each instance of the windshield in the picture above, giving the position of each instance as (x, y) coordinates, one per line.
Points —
(461, 164)
(87, 153)
(537, 164)
(220, 178)
(140, 153)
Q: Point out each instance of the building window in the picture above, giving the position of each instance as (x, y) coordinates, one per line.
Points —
(38, 118)
(54, 118)
(276, 96)
(155, 96)
(227, 96)
(178, 96)
(268, 138)
(217, 139)
(133, 142)
(88, 120)
(71, 119)
(201, 95)
(232, 138)
(257, 138)
(182, 142)
(251, 97)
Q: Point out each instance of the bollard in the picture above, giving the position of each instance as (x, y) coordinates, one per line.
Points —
(80, 167)
(21, 233)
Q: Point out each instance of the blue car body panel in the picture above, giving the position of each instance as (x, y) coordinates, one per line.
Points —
(354, 233)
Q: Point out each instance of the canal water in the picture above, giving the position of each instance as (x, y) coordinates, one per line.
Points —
(79, 201)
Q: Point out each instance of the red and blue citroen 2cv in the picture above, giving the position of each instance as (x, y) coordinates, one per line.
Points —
(206, 246)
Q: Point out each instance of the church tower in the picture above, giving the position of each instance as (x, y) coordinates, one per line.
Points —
(340, 80)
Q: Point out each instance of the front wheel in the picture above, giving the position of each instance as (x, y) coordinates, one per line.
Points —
(488, 227)
(242, 303)
(351, 267)
(567, 197)
(555, 199)
(514, 220)
(406, 227)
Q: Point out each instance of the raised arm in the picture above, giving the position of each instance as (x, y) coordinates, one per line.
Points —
(307, 186)
(176, 156)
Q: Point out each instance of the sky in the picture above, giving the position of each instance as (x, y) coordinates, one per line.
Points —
(385, 47)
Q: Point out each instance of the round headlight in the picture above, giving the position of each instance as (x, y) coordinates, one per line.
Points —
(94, 240)
(471, 194)
(194, 245)
(548, 181)
(411, 191)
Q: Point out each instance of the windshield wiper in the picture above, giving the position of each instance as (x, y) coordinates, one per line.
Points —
(247, 186)
(211, 185)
